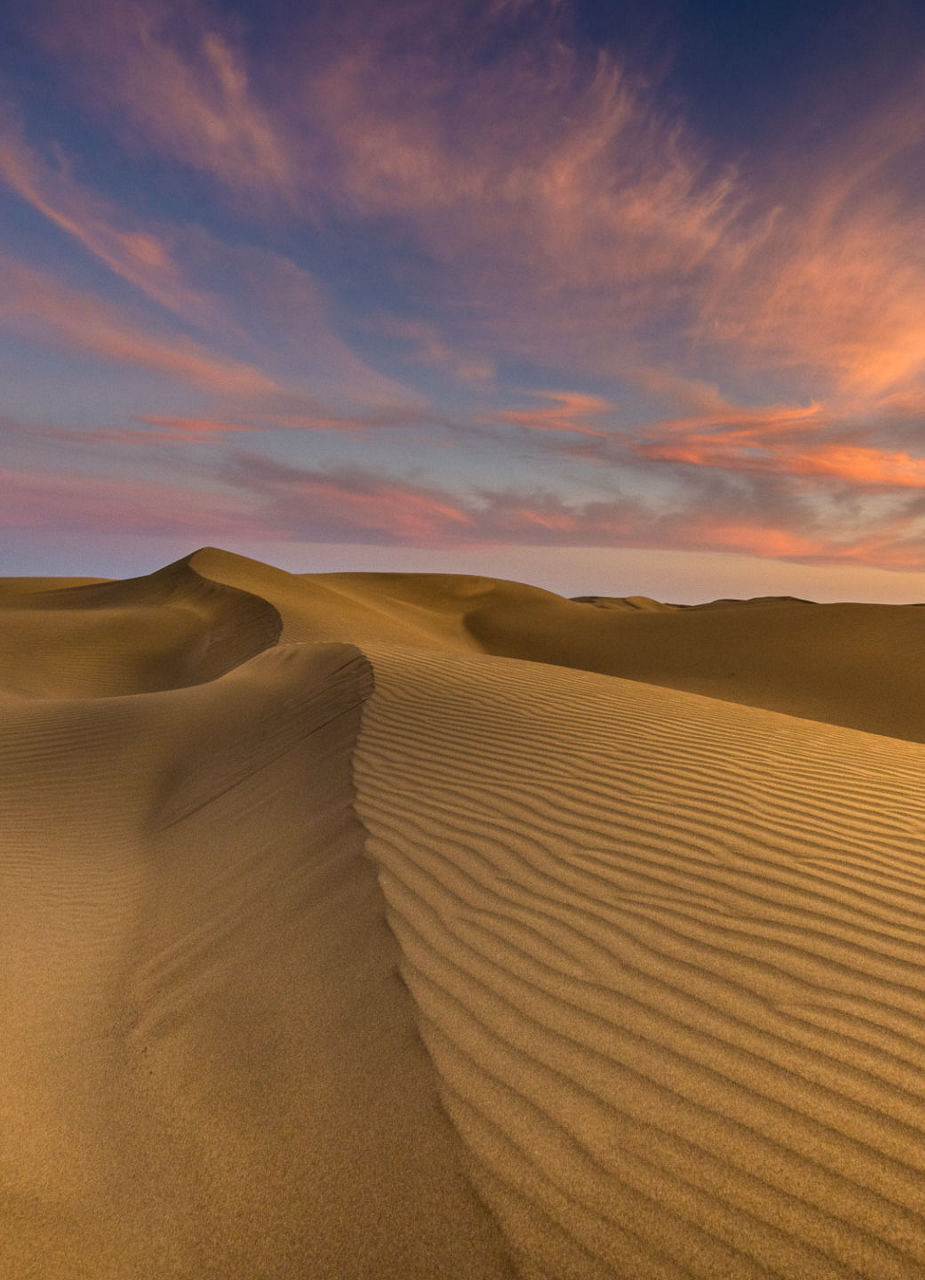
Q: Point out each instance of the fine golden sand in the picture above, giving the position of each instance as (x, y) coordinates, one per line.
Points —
(338, 939)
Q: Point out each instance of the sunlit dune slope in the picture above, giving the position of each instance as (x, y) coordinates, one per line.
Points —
(669, 955)
(413, 609)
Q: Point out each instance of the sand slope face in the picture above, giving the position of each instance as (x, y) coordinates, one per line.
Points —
(669, 955)
(10, 587)
(209, 1065)
(168, 629)
(857, 665)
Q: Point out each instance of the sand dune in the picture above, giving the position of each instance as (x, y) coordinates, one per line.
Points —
(857, 665)
(334, 946)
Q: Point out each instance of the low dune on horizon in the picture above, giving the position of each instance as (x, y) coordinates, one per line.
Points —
(409, 925)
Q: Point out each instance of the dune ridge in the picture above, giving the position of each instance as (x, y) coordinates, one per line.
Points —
(857, 665)
(668, 954)
(209, 1065)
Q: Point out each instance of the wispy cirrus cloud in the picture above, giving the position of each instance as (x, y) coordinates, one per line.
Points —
(37, 306)
(132, 250)
(178, 77)
(423, 342)
(281, 304)
(567, 209)
(832, 285)
(546, 170)
(727, 337)
(159, 429)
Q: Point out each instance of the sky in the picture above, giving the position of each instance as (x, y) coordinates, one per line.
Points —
(611, 298)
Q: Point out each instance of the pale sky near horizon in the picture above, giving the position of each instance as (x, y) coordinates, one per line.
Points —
(612, 298)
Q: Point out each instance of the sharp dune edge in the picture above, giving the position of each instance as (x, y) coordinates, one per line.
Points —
(340, 941)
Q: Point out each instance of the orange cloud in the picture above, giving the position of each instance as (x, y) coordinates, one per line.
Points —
(774, 440)
(832, 283)
(568, 411)
(754, 539)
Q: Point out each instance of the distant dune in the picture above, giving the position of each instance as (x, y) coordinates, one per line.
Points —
(386, 925)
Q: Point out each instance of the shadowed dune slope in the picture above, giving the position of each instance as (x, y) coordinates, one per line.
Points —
(858, 665)
(168, 629)
(669, 955)
(209, 1065)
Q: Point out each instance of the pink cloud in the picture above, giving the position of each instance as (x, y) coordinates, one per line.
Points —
(354, 506)
(428, 346)
(38, 307)
(69, 501)
(271, 500)
(555, 214)
(571, 216)
(134, 252)
(156, 427)
(785, 440)
(173, 75)
(542, 172)
(354, 502)
(278, 300)
(551, 179)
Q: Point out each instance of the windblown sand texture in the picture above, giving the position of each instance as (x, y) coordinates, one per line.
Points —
(340, 941)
